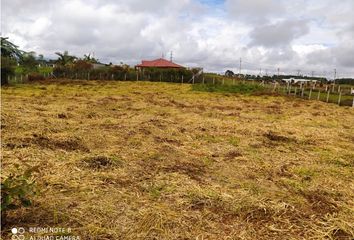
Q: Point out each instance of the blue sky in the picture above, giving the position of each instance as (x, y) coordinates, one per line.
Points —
(310, 35)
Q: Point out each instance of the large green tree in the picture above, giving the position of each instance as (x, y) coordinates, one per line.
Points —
(29, 62)
(10, 55)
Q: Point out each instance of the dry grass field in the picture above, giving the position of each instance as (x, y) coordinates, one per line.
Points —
(142, 160)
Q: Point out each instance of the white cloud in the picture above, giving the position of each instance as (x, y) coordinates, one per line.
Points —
(265, 33)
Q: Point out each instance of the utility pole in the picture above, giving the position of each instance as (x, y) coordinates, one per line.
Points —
(240, 67)
(335, 75)
(260, 72)
(171, 56)
(278, 71)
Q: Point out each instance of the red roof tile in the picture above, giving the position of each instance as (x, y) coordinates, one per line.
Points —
(159, 63)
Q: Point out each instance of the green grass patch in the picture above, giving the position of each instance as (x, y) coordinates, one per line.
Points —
(226, 88)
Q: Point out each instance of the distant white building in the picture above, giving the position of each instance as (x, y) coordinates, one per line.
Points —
(298, 80)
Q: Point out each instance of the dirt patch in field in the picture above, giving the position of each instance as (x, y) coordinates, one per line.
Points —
(100, 162)
(321, 201)
(68, 144)
(194, 170)
(276, 137)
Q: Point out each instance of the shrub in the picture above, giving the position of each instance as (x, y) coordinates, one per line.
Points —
(35, 77)
(16, 191)
(82, 65)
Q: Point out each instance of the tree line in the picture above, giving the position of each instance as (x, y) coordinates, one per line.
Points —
(14, 60)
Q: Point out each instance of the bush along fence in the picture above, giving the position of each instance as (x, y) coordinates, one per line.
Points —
(342, 95)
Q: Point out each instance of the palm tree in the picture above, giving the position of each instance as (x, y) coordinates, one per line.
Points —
(64, 58)
(90, 59)
(8, 49)
(10, 55)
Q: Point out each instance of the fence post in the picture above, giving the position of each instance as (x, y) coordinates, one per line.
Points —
(339, 98)
(213, 80)
(193, 80)
(182, 80)
(203, 79)
(310, 93)
(327, 95)
(338, 88)
(295, 91)
(289, 89)
(137, 76)
(302, 91)
(319, 94)
(160, 77)
(353, 103)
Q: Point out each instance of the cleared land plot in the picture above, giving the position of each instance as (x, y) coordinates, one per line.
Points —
(142, 160)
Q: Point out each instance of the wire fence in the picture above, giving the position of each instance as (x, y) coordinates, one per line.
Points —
(343, 95)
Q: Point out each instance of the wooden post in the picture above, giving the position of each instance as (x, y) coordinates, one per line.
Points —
(203, 79)
(327, 95)
(182, 79)
(295, 91)
(160, 77)
(137, 76)
(319, 94)
(193, 80)
(289, 89)
(310, 93)
(302, 91)
(125, 76)
(213, 80)
(338, 88)
(339, 98)
(353, 103)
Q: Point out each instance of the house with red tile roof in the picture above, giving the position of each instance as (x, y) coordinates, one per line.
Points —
(158, 63)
